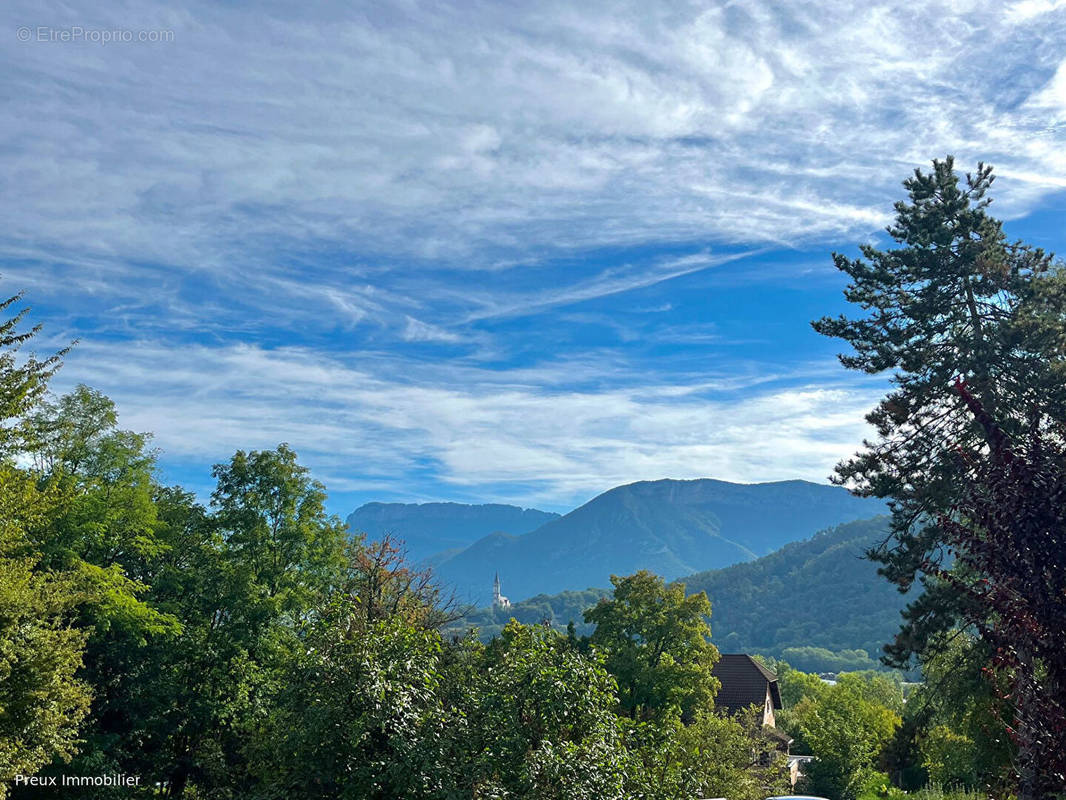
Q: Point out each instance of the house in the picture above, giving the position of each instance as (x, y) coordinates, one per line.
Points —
(746, 682)
(796, 766)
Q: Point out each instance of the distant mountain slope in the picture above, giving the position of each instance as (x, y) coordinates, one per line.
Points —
(814, 594)
(669, 527)
(429, 528)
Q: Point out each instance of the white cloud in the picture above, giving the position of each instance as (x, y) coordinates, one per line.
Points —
(417, 331)
(611, 282)
(480, 429)
(1027, 9)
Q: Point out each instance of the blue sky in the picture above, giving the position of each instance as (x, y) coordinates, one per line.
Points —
(498, 251)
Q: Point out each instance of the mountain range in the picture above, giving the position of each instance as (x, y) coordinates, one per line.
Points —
(670, 527)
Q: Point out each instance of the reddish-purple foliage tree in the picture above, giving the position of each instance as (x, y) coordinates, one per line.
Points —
(1008, 536)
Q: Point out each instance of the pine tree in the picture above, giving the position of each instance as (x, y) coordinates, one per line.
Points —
(954, 298)
(23, 381)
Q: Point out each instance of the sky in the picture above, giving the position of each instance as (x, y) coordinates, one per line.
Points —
(494, 252)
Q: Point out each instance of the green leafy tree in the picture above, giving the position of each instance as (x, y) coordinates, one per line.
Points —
(385, 710)
(42, 700)
(961, 695)
(104, 523)
(949, 757)
(712, 756)
(541, 722)
(883, 689)
(800, 691)
(245, 580)
(795, 685)
(102, 528)
(846, 734)
(359, 715)
(361, 708)
(280, 545)
(656, 643)
(187, 686)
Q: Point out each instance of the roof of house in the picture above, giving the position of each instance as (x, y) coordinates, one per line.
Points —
(744, 681)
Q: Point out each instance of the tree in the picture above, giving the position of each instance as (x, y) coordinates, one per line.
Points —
(962, 694)
(382, 584)
(712, 756)
(799, 692)
(244, 580)
(955, 298)
(21, 384)
(103, 529)
(876, 687)
(360, 709)
(187, 683)
(358, 715)
(796, 685)
(103, 524)
(1008, 531)
(949, 757)
(540, 721)
(279, 541)
(656, 642)
(846, 734)
(42, 700)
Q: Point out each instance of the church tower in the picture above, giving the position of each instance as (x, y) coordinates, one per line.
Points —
(498, 600)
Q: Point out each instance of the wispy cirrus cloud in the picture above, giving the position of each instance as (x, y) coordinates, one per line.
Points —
(467, 131)
(616, 280)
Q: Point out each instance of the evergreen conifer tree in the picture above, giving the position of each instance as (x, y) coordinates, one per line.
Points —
(954, 298)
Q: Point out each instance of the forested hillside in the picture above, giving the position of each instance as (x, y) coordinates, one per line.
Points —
(816, 593)
(813, 603)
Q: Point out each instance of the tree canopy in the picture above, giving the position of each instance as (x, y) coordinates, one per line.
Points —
(657, 645)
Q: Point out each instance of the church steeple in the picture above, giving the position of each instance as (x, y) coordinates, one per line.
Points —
(498, 599)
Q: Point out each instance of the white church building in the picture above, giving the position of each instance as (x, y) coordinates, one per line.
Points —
(498, 600)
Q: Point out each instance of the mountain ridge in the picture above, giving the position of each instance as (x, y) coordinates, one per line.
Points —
(428, 530)
(670, 527)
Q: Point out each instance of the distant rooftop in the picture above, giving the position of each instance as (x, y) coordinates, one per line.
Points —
(744, 682)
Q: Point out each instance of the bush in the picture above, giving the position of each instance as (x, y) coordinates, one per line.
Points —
(878, 787)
